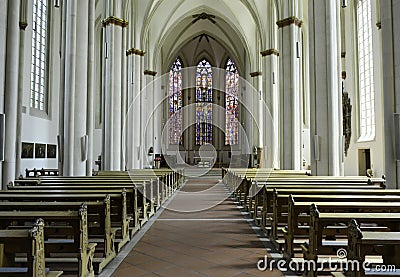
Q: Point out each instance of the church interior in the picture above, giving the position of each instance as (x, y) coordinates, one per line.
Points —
(199, 138)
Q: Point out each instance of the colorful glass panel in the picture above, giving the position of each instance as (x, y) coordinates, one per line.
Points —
(203, 103)
(175, 102)
(231, 104)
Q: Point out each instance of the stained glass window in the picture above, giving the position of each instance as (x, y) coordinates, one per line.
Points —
(175, 102)
(366, 70)
(203, 103)
(231, 103)
(39, 55)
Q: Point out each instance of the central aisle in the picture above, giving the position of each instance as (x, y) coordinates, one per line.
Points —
(197, 235)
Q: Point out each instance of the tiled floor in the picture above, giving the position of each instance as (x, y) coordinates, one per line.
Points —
(200, 233)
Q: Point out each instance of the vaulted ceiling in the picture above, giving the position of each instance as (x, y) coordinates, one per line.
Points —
(203, 27)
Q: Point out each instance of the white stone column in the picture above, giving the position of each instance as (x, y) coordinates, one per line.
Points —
(81, 91)
(128, 128)
(255, 118)
(391, 88)
(148, 116)
(290, 94)
(112, 105)
(74, 89)
(325, 92)
(69, 87)
(22, 25)
(90, 85)
(157, 104)
(124, 95)
(137, 109)
(11, 91)
(271, 102)
(62, 95)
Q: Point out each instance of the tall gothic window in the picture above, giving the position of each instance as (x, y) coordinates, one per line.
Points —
(203, 103)
(175, 102)
(366, 70)
(38, 99)
(231, 103)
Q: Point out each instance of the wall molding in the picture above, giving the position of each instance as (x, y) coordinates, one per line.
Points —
(23, 25)
(134, 51)
(255, 74)
(150, 72)
(269, 52)
(114, 21)
(289, 21)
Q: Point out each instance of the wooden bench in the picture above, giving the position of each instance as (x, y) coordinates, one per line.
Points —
(255, 190)
(140, 207)
(294, 230)
(172, 178)
(337, 237)
(30, 242)
(152, 189)
(276, 200)
(262, 201)
(83, 251)
(99, 223)
(119, 214)
(363, 243)
(41, 172)
(138, 200)
(281, 202)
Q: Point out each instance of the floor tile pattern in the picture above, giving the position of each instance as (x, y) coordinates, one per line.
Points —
(215, 240)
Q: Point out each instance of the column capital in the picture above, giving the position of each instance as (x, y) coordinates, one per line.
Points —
(149, 72)
(134, 51)
(255, 74)
(114, 21)
(289, 21)
(269, 52)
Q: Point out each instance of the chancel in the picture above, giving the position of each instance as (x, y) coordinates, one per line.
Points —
(199, 138)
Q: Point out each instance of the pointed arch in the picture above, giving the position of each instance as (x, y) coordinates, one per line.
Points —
(204, 98)
(175, 102)
(231, 103)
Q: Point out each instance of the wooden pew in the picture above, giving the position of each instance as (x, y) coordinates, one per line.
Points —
(173, 178)
(276, 200)
(281, 202)
(297, 208)
(27, 241)
(119, 214)
(82, 249)
(362, 243)
(137, 199)
(152, 189)
(255, 189)
(236, 180)
(263, 198)
(98, 211)
(41, 172)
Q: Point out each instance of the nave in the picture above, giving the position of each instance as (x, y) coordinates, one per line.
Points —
(162, 222)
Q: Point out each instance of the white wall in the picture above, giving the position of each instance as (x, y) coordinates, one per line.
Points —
(351, 86)
(42, 128)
